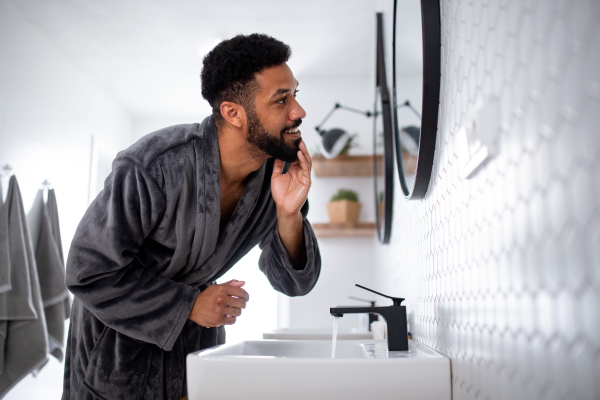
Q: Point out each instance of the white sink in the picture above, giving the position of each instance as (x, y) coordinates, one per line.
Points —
(315, 334)
(304, 369)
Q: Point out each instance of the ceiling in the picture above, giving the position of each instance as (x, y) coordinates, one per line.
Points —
(147, 54)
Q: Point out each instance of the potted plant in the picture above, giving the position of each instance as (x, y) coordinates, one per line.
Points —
(344, 207)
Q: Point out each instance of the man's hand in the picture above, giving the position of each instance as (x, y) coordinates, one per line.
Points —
(219, 304)
(290, 190)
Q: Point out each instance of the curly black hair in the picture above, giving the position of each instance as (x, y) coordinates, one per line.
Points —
(228, 70)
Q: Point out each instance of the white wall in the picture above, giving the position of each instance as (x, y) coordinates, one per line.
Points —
(144, 126)
(49, 109)
(502, 271)
(260, 314)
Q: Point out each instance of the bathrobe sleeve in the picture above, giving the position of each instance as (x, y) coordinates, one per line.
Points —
(275, 262)
(102, 270)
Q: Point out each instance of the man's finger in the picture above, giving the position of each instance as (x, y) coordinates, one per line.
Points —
(235, 282)
(277, 168)
(303, 162)
(306, 154)
(235, 302)
(237, 292)
(228, 320)
(233, 311)
(305, 168)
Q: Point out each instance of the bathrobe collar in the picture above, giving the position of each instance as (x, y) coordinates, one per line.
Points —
(218, 244)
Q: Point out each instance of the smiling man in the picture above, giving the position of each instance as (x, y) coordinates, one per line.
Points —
(180, 208)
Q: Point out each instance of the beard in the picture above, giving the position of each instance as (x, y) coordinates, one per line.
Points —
(276, 147)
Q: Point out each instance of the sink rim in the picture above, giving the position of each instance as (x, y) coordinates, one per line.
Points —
(417, 351)
(322, 333)
(209, 374)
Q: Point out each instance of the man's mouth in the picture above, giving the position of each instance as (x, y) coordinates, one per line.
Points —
(292, 131)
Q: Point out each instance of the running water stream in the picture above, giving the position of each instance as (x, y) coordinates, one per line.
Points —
(334, 336)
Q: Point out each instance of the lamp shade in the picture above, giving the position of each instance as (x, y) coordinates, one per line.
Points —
(333, 142)
(409, 139)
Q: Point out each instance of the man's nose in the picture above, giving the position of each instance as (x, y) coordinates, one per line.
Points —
(297, 111)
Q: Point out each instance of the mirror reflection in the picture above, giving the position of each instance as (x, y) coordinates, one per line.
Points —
(378, 146)
(407, 84)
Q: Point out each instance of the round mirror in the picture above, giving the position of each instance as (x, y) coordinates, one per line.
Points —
(383, 145)
(416, 90)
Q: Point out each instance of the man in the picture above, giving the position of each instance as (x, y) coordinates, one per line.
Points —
(180, 208)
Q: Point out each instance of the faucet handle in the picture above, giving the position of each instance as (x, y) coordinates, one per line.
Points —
(396, 300)
(372, 302)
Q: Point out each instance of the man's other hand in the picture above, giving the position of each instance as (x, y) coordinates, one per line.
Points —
(219, 304)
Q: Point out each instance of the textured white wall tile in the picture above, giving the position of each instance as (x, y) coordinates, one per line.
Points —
(502, 271)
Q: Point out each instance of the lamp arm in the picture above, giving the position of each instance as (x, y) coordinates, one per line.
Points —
(318, 127)
(365, 113)
(407, 104)
(335, 107)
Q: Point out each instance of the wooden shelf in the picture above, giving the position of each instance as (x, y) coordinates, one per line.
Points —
(348, 229)
(358, 166)
(409, 162)
(345, 165)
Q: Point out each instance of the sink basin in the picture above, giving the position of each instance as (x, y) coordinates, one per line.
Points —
(315, 334)
(304, 369)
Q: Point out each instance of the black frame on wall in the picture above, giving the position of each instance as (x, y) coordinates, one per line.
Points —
(431, 41)
(384, 227)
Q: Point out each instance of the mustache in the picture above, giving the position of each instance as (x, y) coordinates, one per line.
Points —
(295, 124)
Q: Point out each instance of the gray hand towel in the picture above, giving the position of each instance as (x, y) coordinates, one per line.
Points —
(17, 303)
(26, 346)
(4, 259)
(4, 275)
(53, 214)
(35, 216)
(51, 272)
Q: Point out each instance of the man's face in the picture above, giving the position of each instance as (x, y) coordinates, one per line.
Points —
(274, 120)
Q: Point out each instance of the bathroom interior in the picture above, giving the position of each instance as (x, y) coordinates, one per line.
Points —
(494, 242)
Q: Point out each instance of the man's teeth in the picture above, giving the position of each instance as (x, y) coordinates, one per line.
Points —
(292, 130)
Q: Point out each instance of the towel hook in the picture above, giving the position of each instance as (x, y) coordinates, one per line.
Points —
(6, 169)
(46, 184)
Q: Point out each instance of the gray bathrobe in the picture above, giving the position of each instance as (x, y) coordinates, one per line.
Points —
(146, 247)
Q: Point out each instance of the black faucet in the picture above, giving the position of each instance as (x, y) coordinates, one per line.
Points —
(372, 317)
(395, 317)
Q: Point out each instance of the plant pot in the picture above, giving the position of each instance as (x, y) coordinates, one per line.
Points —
(380, 209)
(343, 211)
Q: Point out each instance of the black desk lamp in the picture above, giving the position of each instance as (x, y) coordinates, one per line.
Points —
(334, 140)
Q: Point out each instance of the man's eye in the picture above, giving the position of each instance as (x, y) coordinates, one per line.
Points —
(282, 100)
(295, 93)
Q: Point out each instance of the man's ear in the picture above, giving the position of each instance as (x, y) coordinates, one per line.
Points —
(233, 113)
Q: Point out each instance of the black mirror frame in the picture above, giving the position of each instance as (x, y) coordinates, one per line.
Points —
(384, 228)
(431, 39)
